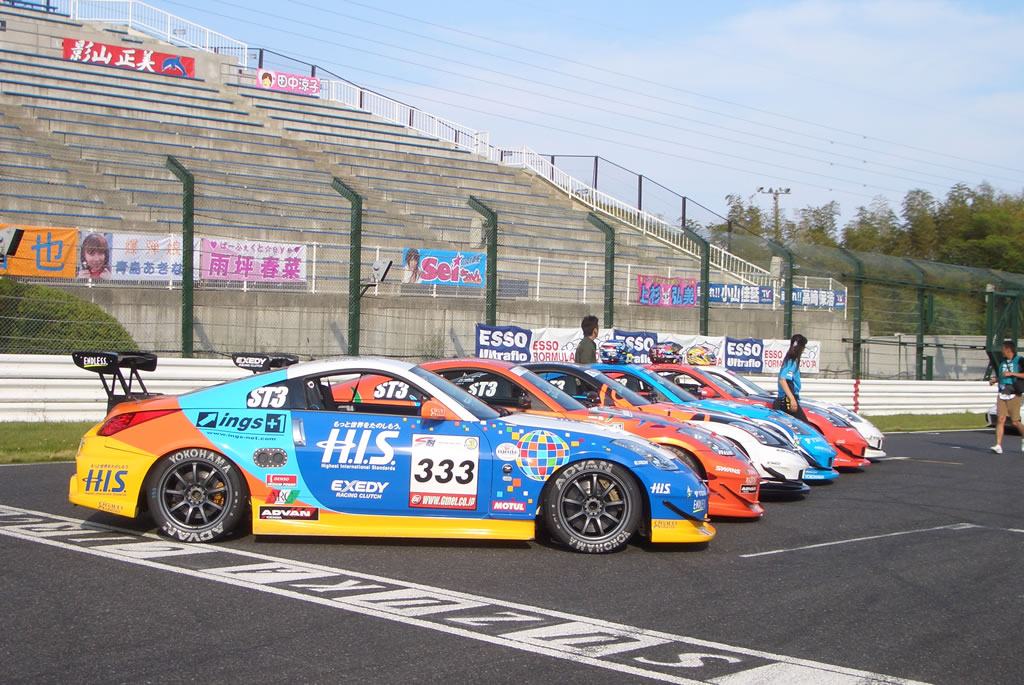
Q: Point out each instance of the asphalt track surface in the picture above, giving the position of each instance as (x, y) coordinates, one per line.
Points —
(910, 570)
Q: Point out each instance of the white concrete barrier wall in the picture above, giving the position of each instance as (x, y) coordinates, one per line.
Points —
(52, 388)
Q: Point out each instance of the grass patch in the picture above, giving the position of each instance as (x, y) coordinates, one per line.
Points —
(927, 422)
(23, 443)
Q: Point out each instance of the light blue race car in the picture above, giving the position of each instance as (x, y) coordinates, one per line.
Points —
(807, 441)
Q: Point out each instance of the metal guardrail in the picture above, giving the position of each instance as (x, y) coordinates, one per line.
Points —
(52, 388)
(155, 22)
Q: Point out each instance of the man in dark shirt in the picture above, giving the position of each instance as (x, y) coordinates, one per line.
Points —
(586, 351)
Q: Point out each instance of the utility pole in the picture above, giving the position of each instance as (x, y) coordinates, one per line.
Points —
(775, 192)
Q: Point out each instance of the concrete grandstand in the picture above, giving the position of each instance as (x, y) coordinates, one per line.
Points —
(85, 145)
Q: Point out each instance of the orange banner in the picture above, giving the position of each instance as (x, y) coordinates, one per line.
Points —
(46, 252)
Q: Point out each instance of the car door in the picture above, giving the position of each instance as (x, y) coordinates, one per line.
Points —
(364, 448)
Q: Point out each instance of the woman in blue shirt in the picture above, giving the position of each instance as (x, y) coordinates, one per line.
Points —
(788, 399)
(1009, 400)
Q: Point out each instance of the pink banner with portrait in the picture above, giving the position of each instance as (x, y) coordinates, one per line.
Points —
(224, 259)
(290, 83)
(655, 291)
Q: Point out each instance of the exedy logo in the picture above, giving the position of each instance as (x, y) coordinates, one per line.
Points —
(226, 421)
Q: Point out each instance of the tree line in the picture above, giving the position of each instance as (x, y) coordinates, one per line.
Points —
(977, 227)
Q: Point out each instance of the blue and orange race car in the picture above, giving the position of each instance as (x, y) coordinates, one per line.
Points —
(372, 447)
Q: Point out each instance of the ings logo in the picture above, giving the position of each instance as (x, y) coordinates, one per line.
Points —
(226, 421)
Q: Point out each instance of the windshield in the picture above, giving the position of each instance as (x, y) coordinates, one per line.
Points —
(480, 410)
(666, 387)
(746, 386)
(731, 388)
(564, 399)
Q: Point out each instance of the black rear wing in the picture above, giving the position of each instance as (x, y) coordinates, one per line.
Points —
(110, 366)
(258, 363)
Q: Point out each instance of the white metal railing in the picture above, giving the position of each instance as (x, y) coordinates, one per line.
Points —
(155, 22)
(397, 112)
(645, 222)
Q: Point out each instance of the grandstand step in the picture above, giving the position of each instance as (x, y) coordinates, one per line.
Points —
(214, 146)
(84, 122)
(65, 104)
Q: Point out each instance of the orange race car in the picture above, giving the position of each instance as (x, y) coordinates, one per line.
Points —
(733, 483)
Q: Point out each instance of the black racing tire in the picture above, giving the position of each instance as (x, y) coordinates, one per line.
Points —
(196, 495)
(688, 459)
(592, 506)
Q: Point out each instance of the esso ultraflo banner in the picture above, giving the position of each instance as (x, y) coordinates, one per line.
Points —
(743, 355)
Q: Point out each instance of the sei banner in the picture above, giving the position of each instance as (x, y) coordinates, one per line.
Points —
(443, 267)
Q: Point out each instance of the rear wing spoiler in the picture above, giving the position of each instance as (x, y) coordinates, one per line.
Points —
(258, 363)
(111, 365)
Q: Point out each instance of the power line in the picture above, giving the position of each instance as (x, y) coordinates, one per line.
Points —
(634, 77)
(574, 120)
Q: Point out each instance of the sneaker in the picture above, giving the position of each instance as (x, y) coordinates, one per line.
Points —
(997, 449)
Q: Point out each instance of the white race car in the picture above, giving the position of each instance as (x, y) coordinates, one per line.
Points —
(865, 428)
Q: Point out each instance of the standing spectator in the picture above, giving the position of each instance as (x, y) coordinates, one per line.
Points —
(586, 351)
(788, 399)
(1008, 400)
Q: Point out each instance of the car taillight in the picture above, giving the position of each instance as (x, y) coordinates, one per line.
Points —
(118, 423)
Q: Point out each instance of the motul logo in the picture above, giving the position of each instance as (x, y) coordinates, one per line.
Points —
(509, 506)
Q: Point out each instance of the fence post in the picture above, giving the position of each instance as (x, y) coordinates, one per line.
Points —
(705, 286)
(491, 270)
(858, 312)
(922, 323)
(787, 307)
(188, 204)
(609, 267)
(355, 249)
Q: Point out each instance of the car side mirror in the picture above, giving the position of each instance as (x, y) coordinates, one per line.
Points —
(523, 402)
(593, 397)
(433, 410)
(707, 393)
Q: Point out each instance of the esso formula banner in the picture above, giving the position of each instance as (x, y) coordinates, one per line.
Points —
(742, 355)
(775, 352)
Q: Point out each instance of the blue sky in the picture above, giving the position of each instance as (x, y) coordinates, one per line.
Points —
(836, 100)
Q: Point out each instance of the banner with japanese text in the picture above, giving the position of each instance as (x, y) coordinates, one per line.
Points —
(226, 259)
(289, 83)
(43, 252)
(138, 257)
(443, 267)
(817, 297)
(125, 57)
(735, 293)
(656, 291)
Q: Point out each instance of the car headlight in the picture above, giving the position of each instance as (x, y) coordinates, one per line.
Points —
(717, 444)
(835, 419)
(762, 436)
(654, 455)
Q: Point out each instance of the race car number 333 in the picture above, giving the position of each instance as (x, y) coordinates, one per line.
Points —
(444, 472)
